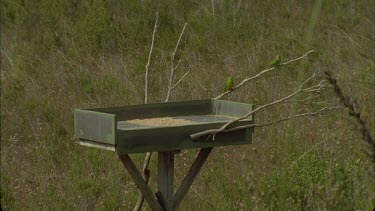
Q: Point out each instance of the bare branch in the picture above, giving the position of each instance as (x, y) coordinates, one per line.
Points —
(282, 100)
(178, 63)
(302, 100)
(261, 73)
(146, 162)
(179, 40)
(299, 58)
(174, 86)
(282, 120)
(318, 86)
(173, 68)
(145, 171)
(149, 57)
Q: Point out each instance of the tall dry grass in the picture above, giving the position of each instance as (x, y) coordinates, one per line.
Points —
(61, 55)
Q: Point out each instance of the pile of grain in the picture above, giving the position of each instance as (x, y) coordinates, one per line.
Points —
(163, 121)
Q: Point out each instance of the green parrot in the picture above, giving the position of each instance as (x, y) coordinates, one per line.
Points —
(276, 61)
(229, 84)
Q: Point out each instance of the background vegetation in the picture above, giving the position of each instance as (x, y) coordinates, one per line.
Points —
(61, 55)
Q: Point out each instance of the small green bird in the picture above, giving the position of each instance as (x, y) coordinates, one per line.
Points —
(276, 61)
(229, 84)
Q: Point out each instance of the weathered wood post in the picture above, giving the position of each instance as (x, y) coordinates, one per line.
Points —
(165, 179)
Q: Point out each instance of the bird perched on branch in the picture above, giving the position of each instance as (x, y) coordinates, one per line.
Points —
(229, 84)
(276, 61)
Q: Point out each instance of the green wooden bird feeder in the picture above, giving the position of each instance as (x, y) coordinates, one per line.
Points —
(162, 128)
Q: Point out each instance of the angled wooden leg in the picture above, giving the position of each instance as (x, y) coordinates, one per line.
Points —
(140, 182)
(190, 176)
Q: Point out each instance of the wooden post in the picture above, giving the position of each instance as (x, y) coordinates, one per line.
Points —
(165, 199)
(166, 177)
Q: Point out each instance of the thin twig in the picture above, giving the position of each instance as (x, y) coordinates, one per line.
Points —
(174, 86)
(178, 63)
(173, 68)
(149, 57)
(261, 73)
(224, 127)
(145, 170)
(301, 57)
(282, 120)
(303, 100)
(146, 162)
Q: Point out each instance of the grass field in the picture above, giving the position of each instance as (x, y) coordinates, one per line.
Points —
(61, 55)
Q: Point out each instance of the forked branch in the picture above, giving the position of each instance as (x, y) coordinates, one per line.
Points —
(173, 67)
(246, 80)
(171, 86)
(301, 89)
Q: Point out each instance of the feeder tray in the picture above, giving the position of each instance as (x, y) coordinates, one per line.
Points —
(162, 128)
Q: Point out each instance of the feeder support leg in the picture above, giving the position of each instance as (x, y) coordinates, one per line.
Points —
(165, 179)
(140, 182)
(190, 176)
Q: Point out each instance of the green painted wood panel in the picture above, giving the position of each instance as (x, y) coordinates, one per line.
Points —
(95, 126)
(176, 138)
(229, 108)
(143, 111)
